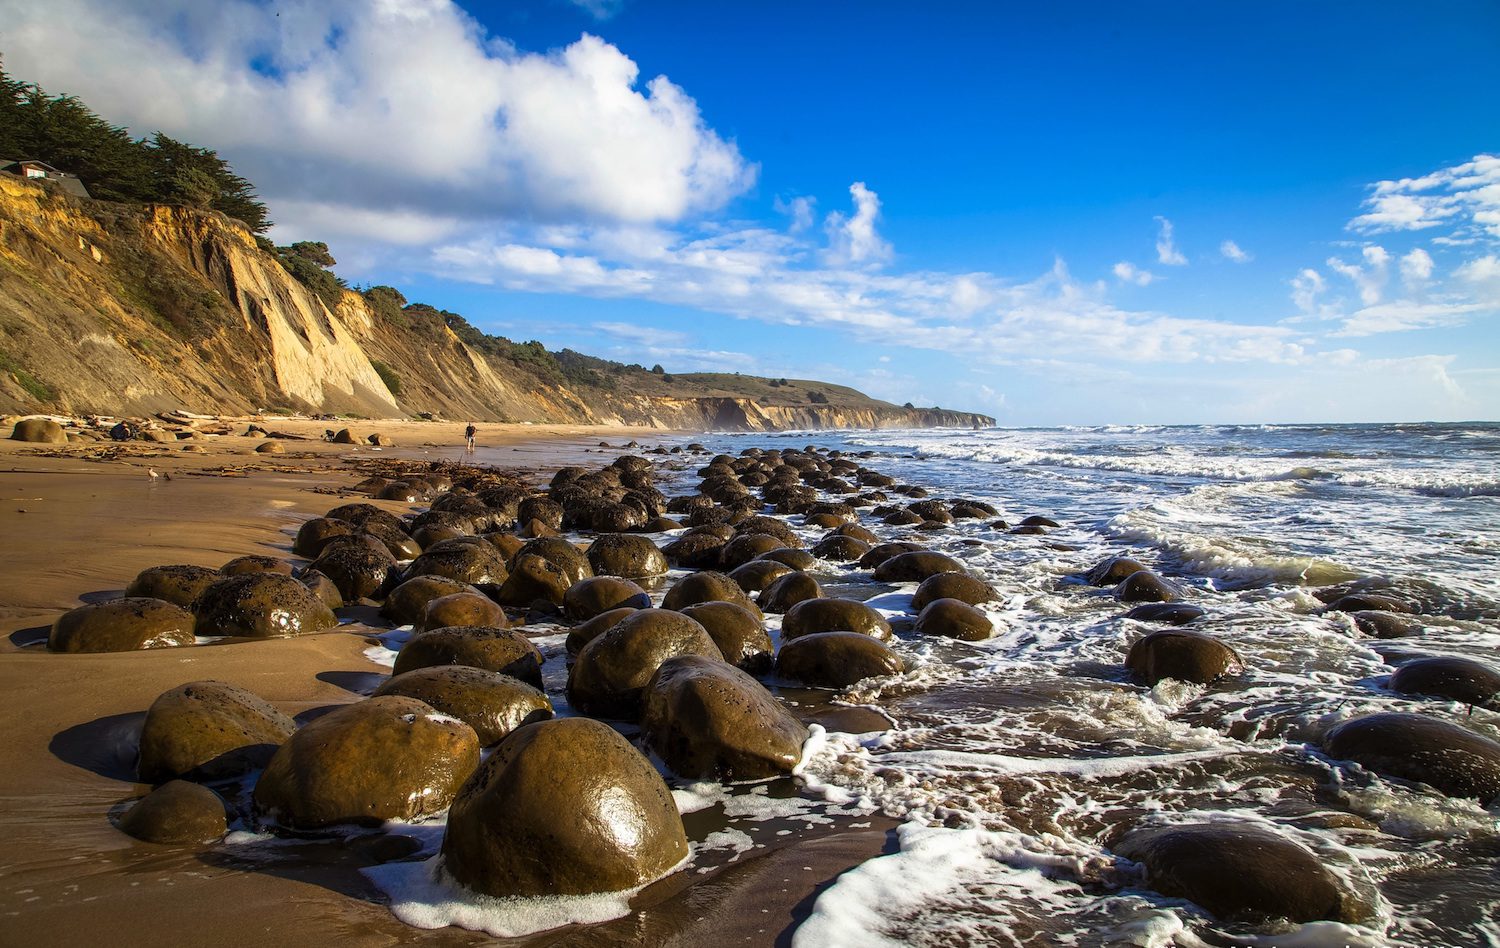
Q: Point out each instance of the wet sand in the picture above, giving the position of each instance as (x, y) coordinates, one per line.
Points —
(79, 526)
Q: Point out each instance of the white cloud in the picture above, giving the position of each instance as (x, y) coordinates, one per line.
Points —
(1127, 272)
(1464, 198)
(1416, 267)
(1481, 269)
(1405, 315)
(1307, 287)
(854, 239)
(409, 110)
(1230, 250)
(1369, 279)
(1166, 251)
(799, 209)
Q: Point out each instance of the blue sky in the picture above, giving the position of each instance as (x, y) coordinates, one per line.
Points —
(1092, 213)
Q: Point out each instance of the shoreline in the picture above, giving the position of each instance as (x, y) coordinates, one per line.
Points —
(85, 521)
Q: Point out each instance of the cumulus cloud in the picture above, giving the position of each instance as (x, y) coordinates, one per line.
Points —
(1464, 198)
(800, 211)
(1166, 250)
(1231, 251)
(1307, 286)
(1127, 272)
(853, 239)
(410, 113)
(1369, 278)
(1416, 267)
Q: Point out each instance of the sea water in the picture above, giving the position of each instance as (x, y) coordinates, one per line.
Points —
(1015, 761)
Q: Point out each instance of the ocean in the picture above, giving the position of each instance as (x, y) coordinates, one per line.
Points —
(1012, 763)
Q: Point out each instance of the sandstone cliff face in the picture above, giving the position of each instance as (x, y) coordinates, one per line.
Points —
(120, 309)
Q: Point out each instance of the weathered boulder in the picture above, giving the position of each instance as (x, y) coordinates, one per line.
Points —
(1385, 625)
(740, 634)
(610, 672)
(1145, 586)
(39, 431)
(1369, 602)
(506, 651)
(627, 555)
(758, 574)
(787, 591)
(570, 559)
(261, 605)
(205, 730)
(836, 659)
(706, 586)
(531, 578)
(745, 547)
(706, 718)
(916, 566)
(489, 702)
(122, 625)
(1185, 656)
(362, 515)
(177, 812)
(1113, 571)
(796, 559)
(266, 447)
(884, 551)
(1457, 679)
(599, 594)
(386, 758)
(960, 586)
(361, 567)
(179, 585)
(466, 559)
(321, 586)
(838, 548)
(1241, 871)
(1457, 761)
(833, 615)
(954, 619)
(470, 608)
(563, 807)
(314, 533)
(408, 601)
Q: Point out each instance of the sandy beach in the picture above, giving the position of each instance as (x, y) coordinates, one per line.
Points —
(82, 520)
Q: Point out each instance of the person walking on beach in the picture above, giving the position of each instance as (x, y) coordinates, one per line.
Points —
(469, 434)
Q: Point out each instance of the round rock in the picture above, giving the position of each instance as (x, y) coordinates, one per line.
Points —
(1145, 586)
(489, 702)
(1457, 679)
(740, 634)
(833, 615)
(954, 619)
(958, 586)
(122, 625)
(408, 601)
(179, 585)
(499, 650)
(626, 555)
(1185, 656)
(610, 672)
(706, 586)
(836, 659)
(1457, 761)
(916, 566)
(177, 812)
(205, 730)
(787, 591)
(597, 595)
(470, 608)
(261, 605)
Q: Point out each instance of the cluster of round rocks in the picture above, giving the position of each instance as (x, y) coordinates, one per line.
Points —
(487, 558)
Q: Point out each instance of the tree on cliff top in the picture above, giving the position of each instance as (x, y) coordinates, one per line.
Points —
(68, 135)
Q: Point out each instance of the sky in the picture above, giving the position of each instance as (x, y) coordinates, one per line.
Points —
(1092, 213)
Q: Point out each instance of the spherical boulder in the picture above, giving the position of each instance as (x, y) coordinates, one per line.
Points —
(1184, 656)
(1241, 871)
(758, 574)
(241, 565)
(916, 566)
(610, 672)
(531, 578)
(796, 559)
(1113, 570)
(321, 586)
(469, 608)
(386, 758)
(1385, 625)
(466, 559)
(707, 719)
(491, 703)
(599, 594)
(570, 559)
(812, 616)
(1369, 602)
(499, 650)
(407, 602)
(745, 547)
(261, 605)
(787, 591)
(584, 633)
(1457, 679)
(960, 586)
(362, 568)
(838, 548)
(626, 555)
(1457, 761)
(39, 431)
(954, 619)
(122, 625)
(706, 586)
(177, 812)
(740, 634)
(1145, 586)
(205, 730)
(563, 807)
(836, 659)
(883, 551)
(694, 550)
(179, 585)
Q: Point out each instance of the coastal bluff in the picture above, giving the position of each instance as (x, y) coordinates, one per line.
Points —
(110, 308)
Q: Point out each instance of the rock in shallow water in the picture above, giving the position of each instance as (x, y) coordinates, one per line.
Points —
(1458, 679)
(176, 812)
(489, 702)
(1184, 656)
(706, 718)
(386, 758)
(179, 585)
(739, 634)
(1457, 761)
(833, 615)
(564, 807)
(261, 605)
(954, 619)
(498, 650)
(1241, 871)
(207, 730)
(836, 659)
(610, 672)
(122, 625)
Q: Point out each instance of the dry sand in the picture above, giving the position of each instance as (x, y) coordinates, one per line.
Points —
(80, 521)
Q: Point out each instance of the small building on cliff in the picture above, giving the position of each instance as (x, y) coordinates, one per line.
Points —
(33, 170)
